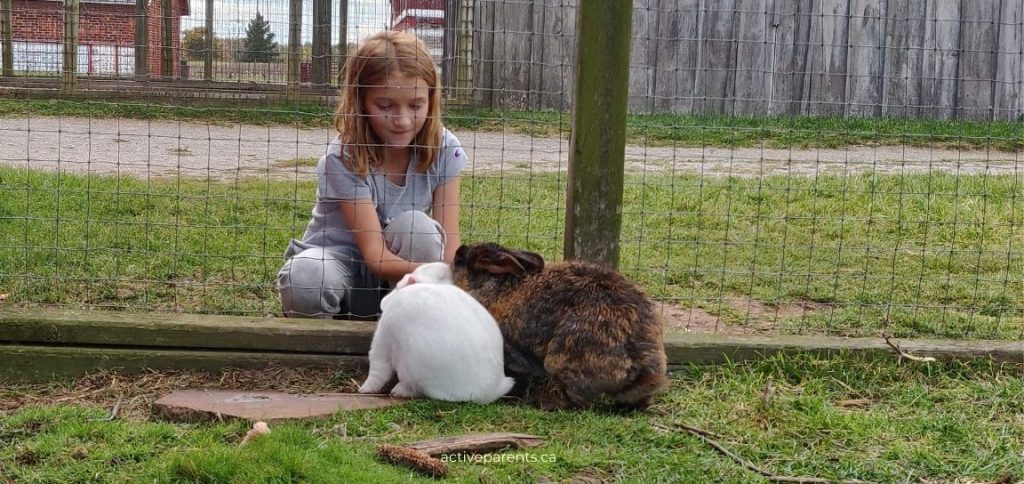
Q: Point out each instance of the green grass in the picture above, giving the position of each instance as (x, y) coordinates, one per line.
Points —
(295, 162)
(927, 423)
(917, 255)
(654, 130)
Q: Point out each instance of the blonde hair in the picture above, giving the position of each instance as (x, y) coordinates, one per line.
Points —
(384, 54)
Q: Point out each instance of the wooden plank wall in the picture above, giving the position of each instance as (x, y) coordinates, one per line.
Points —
(907, 58)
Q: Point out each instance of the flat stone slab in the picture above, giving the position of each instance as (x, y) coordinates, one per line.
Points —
(200, 405)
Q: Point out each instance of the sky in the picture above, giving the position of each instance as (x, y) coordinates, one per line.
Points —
(231, 17)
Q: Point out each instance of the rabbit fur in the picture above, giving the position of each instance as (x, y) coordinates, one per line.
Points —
(439, 340)
(591, 331)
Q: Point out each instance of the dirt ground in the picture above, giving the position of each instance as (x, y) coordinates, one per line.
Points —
(171, 148)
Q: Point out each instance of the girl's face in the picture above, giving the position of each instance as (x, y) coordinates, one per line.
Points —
(397, 109)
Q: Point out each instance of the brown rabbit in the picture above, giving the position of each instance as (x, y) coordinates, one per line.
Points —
(588, 328)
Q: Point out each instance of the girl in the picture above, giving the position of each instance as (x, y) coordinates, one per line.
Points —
(391, 165)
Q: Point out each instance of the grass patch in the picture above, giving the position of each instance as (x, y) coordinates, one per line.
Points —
(917, 255)
(642, 129)
(936, 422)
(295, 162)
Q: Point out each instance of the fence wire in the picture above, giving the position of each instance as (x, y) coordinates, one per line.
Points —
(793, 167)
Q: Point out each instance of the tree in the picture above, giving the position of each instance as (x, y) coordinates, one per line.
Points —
(259, 41)
(194, 43)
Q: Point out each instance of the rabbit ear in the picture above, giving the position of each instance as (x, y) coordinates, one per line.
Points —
(531, 262)
(509, 262)
(498, 263)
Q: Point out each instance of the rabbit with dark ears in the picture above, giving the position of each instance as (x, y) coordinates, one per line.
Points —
(593, 332)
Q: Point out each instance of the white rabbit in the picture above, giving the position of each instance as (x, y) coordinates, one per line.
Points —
(442, 342)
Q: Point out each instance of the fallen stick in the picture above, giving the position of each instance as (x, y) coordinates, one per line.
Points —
(423, 456)
(475, 443)
(418, 461)
(904, 354)
(703, 435)
(113, 411)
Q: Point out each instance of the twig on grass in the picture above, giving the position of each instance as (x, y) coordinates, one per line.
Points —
(704, 435)
(904, 354)
(113, 411)
(423, 456)
(695, 430)
(416, 459)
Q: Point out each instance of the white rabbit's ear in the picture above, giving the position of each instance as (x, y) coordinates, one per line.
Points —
(406, 280)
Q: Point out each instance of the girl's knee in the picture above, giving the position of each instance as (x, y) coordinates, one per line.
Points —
(415, 236)
(311, 284)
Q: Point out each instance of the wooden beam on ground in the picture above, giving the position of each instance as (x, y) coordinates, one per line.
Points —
(39, 344)
(192, 331)
(714, 348)
(210, 45)
(141, 40)
(593, 215)
(321, 68)
(24, 363)
(69, 68)
(294, 48)
(7, 38)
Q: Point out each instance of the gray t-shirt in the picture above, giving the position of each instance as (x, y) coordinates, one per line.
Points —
(335, 183)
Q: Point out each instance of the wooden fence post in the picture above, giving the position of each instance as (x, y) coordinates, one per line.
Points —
(342, 40)
(464, 58)
(208, 55)
(294, 47)
(167, 52)
(7, 30)
(69, 71)
(141, 41)
(321, 68)
(593, 207)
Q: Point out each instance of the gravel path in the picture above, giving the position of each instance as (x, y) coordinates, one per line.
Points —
(169, 148)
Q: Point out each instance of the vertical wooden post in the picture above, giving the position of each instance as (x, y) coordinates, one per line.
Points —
(342, 40)
(7, 37)
(464, 57)
(208, 55)
(450, 48)
(321, 42)
(294, 47)
(593, 210)
(141, 40)
(69, 71)
(166, 50)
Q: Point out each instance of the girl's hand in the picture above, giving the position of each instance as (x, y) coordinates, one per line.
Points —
(362, 219)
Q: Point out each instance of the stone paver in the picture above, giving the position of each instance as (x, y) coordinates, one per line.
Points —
(197, 405)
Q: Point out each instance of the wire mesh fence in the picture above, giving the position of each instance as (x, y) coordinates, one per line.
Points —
(842, 167)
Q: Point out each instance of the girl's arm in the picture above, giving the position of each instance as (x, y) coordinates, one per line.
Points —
(362, 219)
(446, 212)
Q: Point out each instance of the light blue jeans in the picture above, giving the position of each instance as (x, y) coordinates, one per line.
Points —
(325, 282)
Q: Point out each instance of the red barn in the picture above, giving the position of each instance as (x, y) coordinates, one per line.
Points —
(106, 36)
(424, 18)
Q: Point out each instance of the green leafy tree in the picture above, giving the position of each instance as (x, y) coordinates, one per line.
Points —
(194, 43)
(259, 41)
